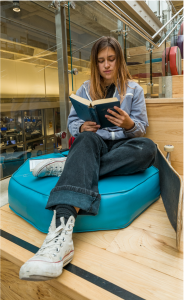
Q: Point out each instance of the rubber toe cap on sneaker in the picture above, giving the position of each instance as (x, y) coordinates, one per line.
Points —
(40, 270)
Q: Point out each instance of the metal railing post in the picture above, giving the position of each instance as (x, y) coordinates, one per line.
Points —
(61, 41)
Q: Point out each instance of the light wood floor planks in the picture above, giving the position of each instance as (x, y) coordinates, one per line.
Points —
(141, 258)
(32, 290)
(100, 239)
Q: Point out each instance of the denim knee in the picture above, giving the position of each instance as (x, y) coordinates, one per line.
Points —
(90, 141)
(88, 135)
(89, 138)
(150, 150)
(151, 146)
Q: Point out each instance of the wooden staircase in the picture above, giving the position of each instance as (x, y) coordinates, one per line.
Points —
(138, 262)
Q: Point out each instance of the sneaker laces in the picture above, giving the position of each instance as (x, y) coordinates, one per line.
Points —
(54, 169)
(54, 241)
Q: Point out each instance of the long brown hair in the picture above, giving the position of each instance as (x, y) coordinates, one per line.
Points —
(122, 75)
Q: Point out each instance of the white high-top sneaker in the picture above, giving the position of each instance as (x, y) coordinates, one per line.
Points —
(50, 167)
(55, 253)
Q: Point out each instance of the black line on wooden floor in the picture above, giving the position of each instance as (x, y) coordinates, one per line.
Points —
(18, 241)
(98, 281)
(102, 283)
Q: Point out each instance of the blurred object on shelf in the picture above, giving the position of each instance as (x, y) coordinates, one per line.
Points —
(61, 134)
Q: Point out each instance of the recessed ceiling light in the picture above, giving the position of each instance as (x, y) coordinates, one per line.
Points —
(16, 6)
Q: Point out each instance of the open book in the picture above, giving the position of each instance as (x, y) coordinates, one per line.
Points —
(94, 111)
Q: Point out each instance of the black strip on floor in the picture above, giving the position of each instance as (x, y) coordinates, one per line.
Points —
(18, 241)
(102, 283)
(98, 281)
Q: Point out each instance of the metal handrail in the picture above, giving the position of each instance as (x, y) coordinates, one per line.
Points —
(170, 32)
(128, 18)
(141, 32)
(137, 25)
(125, 21)
(166, 23)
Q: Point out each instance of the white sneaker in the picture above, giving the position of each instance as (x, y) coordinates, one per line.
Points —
(50, 167)
(56, 252)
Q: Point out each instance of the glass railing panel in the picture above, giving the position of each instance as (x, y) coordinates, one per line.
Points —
(170, 32)
(30, 107)
(29, 84)
(145, 62)
(83, 74)
(138, 56)
(88, 22)
(173, 35)
(157, 86)
(162, 86)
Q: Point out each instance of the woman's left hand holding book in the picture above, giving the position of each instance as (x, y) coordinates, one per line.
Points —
(89, 126)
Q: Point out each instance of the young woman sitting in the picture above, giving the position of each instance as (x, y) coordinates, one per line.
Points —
(96, 152)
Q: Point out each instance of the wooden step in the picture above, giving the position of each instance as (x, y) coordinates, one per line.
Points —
(138, 262)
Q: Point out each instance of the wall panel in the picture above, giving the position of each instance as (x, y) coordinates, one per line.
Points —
(166, 128)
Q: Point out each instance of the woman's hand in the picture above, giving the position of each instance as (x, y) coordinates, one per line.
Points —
(120, 119)
(89, 126)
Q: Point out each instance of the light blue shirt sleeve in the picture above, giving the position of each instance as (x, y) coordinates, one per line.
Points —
(74, 122)
(138, 114)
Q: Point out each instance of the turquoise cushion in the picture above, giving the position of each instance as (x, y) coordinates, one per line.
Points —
(123, 198)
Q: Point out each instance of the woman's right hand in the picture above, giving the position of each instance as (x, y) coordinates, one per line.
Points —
(89, 126)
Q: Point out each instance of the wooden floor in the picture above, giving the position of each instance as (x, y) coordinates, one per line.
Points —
(138, 262)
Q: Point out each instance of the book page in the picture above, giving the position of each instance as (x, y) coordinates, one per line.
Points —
(93, 103)
(80, 99)
(102, 101)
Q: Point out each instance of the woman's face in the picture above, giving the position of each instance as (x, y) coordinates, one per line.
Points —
(107, 64)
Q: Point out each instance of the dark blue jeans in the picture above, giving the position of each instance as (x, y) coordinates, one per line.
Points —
(90, 158)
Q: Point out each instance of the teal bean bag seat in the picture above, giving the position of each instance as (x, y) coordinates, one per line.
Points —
(123, 198)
